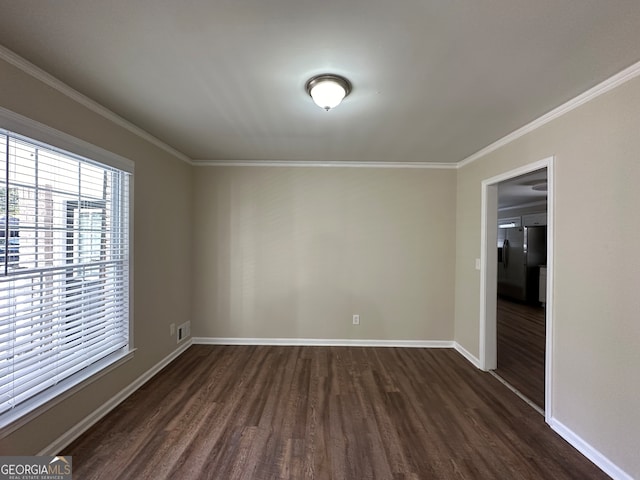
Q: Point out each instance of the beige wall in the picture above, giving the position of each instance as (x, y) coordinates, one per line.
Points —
(294, 252)
(596, 330)
(162, 267)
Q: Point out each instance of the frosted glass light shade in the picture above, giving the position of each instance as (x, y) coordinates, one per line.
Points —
(327, 91)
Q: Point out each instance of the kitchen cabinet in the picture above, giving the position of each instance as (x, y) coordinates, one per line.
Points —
(534, 219)
(509, 222)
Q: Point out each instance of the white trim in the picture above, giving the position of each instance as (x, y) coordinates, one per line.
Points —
(467, 354)
(549, 313)
(523, 170)
(488, 273)
(33, 131)
(323, 342)
(56, 394)
(609, 84)
(314, 163)
(132, 243)
(485, 364)
(36, 72)
(16, 123)
(61, 442)
(606, 465)
(487, 340)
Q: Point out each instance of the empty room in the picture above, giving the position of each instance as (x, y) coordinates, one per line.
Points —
(319, 240)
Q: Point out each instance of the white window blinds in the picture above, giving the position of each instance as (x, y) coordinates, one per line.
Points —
(64, 266)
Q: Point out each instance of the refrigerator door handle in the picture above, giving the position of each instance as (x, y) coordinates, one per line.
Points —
(505, 254)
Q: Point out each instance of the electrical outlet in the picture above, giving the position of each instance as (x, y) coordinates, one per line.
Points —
(180, 333)
(356, 319)
(172, 329)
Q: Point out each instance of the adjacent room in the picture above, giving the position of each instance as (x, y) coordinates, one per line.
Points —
(330, 240)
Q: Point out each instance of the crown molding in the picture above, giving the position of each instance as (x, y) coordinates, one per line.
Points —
(48, 79)
(328, 164)
(26, 127)
(609, 84)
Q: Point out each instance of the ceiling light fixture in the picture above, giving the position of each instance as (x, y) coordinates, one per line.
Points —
(327, 90)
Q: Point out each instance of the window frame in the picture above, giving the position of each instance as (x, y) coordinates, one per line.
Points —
(32, 130)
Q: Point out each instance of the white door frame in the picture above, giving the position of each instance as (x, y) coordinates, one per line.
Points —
(489, 275)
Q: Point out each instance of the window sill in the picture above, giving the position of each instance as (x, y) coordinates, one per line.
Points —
(27, 411)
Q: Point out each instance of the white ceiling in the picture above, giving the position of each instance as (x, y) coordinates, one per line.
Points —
(519, 191)
(433, 80)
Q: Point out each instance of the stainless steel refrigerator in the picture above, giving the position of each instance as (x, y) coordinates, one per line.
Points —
(521, 252)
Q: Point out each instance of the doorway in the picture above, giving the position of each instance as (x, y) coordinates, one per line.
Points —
(512, 316)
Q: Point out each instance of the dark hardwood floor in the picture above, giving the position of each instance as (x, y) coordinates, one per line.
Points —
(521, 348)
(256, 412)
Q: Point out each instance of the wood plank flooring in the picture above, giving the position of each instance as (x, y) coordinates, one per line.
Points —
(257, 412)
(521, 348)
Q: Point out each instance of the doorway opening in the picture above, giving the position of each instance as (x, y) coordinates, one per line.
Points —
(516, 273)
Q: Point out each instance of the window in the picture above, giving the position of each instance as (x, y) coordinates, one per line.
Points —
(64, 271)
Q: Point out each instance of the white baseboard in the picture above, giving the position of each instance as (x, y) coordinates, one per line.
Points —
(572, 438)
(467, 354)
(86, 423)
(566, 433)
(606, 465)
(323, 342)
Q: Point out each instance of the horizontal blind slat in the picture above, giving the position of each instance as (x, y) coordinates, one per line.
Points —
(64, 296)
